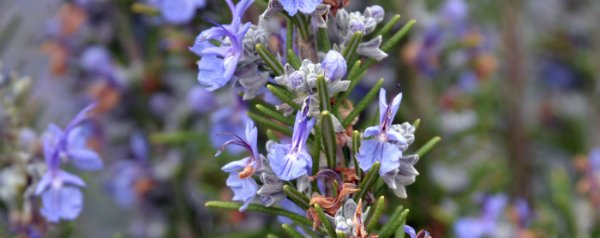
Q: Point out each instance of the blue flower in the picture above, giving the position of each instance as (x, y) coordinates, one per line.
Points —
(304, 6)
(486, 223)
(290, 161)
(72, 143)
(334, 65)
(240, 179)
(385, 145)
(61, 197)
(179, 11)
(218, 63)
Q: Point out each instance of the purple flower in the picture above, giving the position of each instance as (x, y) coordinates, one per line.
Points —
(61, 198)
(178, 11)
(201, 100)
(334, 65)
(304, 6)
(71, 143)
(240, 179)
(384, 144)
(218, 63)
(485, 224)
(594, 158)
(290, 161)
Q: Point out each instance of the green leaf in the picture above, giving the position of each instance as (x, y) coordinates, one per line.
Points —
(354, 78)
(350, 51)
(275, 114)
(269, 124)
(428, 146)
(417, 123)
(363, 103)
(289, 36)
(328, 227)
(316, 152)
(293, 59)
(368, 181)
(296, 196)
(394, 223)
(323, 43)
(271, 135)
(355, 147)
(388, 26)
(375, 214)
(323, 93)
(270, 60)
(328, 139)
(283, 95)
(291, 231)
(276, 211)
(395, 39)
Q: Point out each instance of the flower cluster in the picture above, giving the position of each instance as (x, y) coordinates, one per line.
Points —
(316, 157)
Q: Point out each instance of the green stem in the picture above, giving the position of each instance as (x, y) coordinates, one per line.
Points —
(328, 227)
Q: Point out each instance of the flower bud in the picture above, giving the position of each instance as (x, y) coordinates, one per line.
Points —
(334, 65)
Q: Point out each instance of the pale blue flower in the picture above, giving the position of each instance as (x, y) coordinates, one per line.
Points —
(61, 197)
(229, 119)
(71, 143)
(290, 161)
(304, 6)
(382, 144)
(219, 62)
(240, 179)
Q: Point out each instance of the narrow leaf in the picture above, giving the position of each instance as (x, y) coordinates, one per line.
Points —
(260, 208)
(428, 146)
(270, 60)
(417, 123)
(368, 181)
(375, 214)
(350, 51)
(354, 78)
(394, 223)
(328, 138)
(323, 93)
(291, 231)
(296, 196)
(293, 59)
(388, 26)
(271, 135)
(355, 147)
(275, 114)
(269, 124)
(323, 43)
(395, 39)
(283, 95)
(323, 218)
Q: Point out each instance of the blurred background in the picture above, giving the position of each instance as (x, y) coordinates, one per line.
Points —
(512, 87)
